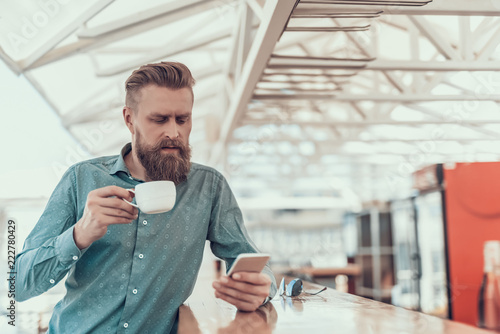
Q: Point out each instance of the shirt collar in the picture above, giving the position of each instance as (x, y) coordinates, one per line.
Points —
(120, 165)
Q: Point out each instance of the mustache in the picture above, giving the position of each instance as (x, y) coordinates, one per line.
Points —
(169, 143)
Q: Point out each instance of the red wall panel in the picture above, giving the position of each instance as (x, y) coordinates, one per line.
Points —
(472, 204)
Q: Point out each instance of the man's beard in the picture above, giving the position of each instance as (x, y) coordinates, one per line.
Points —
(164, 166)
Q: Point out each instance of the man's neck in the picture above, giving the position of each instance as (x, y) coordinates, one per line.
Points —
(134, 166)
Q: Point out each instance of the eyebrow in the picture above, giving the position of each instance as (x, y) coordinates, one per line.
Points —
(159, 114)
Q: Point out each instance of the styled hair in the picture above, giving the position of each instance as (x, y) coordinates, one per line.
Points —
(171, 75)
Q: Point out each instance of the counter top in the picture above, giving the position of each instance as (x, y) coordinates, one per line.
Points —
(329, 312)
(350, 269)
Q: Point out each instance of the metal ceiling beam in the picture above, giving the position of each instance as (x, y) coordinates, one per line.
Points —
(437, 155)
(391, 78)
(442, 44)
(169, 13)
(382, 65)
(465, 36)
(340, 123)
(441, 7)
(136, 18)
(64, 32)
(440, 116)
(256, 8)
(11, 64)
(91, 114)
(244, 41)
(484, 27)
(486, 52)
(370, 140)
(276, 16)
(164, 52)
(375, 97)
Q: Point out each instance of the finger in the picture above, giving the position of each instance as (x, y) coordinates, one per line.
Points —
(114, 191)
(241, 290)
(117, 213)
(226, 284)
(235, 293)
(117, 203)
(109, 219)
(240, 305)
(252, 278)
(112, 220)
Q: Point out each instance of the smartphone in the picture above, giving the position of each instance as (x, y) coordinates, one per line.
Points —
(252, 262)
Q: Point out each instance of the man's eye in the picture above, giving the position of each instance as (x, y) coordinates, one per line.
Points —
(159, 120)
(181, 120)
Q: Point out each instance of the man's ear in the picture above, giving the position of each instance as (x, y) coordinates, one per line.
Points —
(128, 117)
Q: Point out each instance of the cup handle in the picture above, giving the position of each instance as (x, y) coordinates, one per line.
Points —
(132, 191)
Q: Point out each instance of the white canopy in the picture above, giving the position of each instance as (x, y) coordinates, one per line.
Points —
(293, 98)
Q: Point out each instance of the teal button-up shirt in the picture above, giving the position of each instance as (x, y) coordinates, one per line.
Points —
(134, 279)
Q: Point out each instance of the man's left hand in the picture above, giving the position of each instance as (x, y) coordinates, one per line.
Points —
(245, 290)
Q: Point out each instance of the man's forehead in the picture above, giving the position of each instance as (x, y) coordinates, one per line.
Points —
(163, 100)
(160, 91)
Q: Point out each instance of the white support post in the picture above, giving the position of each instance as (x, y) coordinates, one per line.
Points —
(466, 45)
(418, 78)
(244, 39)
(230, 69)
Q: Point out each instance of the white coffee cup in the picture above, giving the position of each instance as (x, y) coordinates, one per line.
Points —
(154, 196)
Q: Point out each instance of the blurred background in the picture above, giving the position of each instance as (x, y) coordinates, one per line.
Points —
(361, 138)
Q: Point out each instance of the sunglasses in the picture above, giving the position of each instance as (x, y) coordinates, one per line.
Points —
(294, 288)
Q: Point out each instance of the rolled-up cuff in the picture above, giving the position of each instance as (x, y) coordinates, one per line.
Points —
(66, 249)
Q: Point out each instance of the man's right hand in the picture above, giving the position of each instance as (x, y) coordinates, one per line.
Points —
(104, 207)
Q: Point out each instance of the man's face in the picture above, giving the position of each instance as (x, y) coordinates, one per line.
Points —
(160, 128)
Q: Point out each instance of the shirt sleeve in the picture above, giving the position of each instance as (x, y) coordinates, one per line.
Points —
(49, 251)
(227, 234)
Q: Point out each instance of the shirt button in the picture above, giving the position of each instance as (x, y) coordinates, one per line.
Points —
(144, 222)
(75, 257)
(125, 325)
(52, 281)
(141, 256)
(134, 291)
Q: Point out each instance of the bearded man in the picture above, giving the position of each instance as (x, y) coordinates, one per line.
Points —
(128, 272)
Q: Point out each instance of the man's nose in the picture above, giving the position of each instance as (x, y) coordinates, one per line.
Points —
(170, 130)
